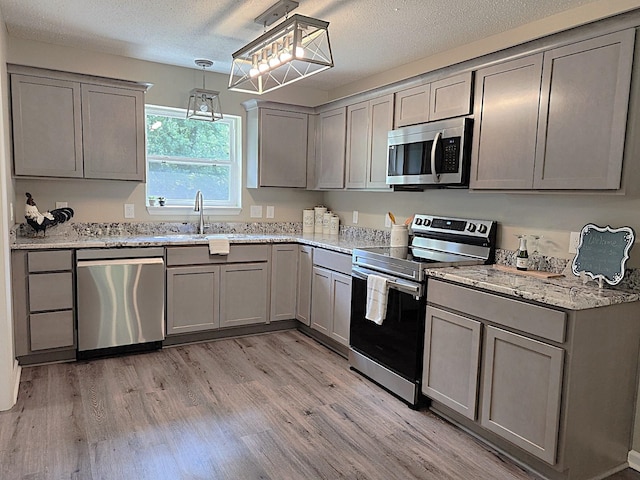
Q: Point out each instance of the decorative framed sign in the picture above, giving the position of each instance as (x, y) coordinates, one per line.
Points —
(603, 252)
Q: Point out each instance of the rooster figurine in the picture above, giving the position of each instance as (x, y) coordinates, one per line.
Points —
(42, 221)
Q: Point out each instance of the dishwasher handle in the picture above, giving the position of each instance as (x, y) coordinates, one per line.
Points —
(120, 261)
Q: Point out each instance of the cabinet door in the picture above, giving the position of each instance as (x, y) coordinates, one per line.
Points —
(583, 113)
(505, 125)
(47, 127)
(321, 308)
(330, 148)
(451, 360)
(243, 294)
(192, 299)
(284, 276)
(521, 391)
(51, 330)
(450, 97)
(381, 121)
(305, 275)
(341, 307)
(283, 148)
(113, 124)
(357, 146)
(412, 105)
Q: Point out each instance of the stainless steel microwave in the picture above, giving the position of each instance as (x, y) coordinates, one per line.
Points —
(433, 154)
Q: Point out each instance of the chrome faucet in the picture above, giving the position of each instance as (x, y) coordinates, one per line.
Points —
(199, 207)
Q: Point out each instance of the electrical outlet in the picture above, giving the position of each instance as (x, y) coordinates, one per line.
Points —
(387, 220)
(11, 214)
(355, 217)
(574, 241)
(271, 211)
(256, 211)
(62, 204)
(129, 211)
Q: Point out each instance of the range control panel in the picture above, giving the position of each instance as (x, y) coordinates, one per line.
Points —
(452, 226)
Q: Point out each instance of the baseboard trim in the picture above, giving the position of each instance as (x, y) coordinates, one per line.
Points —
(634, 460)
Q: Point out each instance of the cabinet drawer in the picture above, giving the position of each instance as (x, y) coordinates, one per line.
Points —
(533, 319)
(51, 330)
(50, 291)
(340, 262)
(50, 261)
(199, 255)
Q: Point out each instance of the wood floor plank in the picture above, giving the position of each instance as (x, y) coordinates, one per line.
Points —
(273, 407)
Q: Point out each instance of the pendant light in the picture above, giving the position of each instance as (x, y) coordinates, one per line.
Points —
(295, 49)
(204, 104)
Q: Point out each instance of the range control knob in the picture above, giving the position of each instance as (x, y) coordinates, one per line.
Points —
(426, 222)
(417, 221)
(471, 227)
(482, 228)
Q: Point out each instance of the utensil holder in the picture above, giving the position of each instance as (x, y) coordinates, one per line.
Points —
(399, 235)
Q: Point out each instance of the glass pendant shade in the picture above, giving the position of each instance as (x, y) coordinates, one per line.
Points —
(204, 104)
(296, 48)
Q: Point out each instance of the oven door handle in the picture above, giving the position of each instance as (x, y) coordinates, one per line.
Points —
(405, 286)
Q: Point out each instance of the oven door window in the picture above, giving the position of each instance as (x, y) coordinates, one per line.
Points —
(396, 344)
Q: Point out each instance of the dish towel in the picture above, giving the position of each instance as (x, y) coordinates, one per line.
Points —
(377, 293)
(219, 246)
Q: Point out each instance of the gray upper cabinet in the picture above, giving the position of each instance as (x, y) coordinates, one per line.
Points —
(75, 126)
(277, 140)
(330, 149)
(47, 127)
(113, 133)
(445, 98)
(583, 113)
(368, 124)
(555, 120)
(506, 117)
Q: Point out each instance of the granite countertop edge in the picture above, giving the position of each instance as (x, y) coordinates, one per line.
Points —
(566, 292)
(337, 243)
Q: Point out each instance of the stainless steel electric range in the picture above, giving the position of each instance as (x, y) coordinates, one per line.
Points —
(391, 353)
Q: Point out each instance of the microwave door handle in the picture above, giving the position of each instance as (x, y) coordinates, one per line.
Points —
(434, 149)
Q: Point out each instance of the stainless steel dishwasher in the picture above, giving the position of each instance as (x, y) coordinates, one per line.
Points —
(120, 296)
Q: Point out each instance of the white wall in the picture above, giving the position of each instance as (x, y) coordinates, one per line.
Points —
(102, 201)
(9, 370)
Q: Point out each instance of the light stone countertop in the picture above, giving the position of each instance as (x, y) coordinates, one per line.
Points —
(338, 243)
(566, 292)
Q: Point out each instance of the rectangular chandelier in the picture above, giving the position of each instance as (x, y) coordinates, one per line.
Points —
(295, 49)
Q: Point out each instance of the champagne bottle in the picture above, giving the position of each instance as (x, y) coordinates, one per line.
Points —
(522, 259)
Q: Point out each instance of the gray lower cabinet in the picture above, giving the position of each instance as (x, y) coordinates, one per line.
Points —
(76, 126)
(553, 388)
(526, 137)
(451, 360)
(244, 295)
(193, 299)
(331, 295)
(206, 292)
(305, 276)
(522, 390)
(284, 281)
(43, 305)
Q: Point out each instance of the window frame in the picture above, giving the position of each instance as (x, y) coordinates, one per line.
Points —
(211, 207)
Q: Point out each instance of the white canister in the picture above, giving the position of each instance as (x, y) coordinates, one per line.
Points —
(326, 223)
(308, 220)
(319, 217)
(334, 225)
(399, 235)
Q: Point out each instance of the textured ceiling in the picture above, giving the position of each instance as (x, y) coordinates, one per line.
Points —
(367, 36)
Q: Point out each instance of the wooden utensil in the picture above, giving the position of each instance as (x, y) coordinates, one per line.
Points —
(391, 216)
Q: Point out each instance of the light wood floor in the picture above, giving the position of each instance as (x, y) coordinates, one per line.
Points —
(276, 406)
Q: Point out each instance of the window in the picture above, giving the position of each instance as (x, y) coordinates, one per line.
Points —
(184, 156)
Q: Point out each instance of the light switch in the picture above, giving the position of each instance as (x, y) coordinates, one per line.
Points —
(256, 211)
(355, 217)
(270, 211)
(129, 211)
